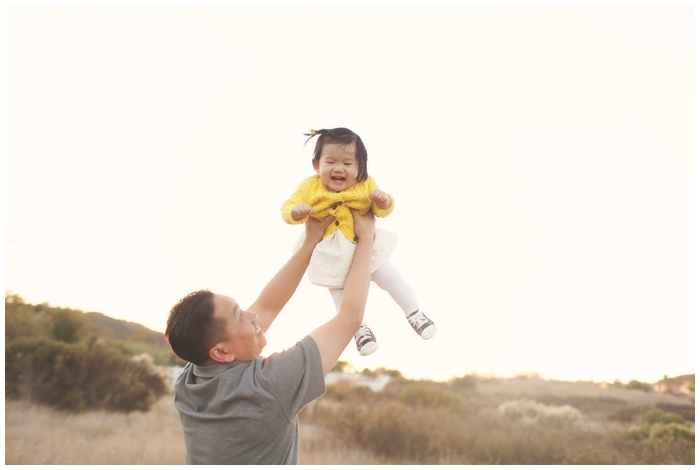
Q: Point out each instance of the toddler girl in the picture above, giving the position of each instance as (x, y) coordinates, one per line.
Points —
(341, 183)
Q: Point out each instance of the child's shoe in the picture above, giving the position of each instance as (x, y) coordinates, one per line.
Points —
(423, 325)
(365, 340)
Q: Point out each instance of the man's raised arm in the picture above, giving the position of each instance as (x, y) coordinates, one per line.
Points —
(332, 337)
(282, 286)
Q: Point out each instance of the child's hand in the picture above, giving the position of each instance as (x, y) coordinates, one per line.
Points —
(301, 210)
(380, 198)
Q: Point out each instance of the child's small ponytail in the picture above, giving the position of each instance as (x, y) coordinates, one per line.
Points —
(313, 133)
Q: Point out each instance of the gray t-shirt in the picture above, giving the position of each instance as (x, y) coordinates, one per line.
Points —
(245, 412)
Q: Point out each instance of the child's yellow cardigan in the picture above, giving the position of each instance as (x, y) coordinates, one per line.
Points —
(338, 204)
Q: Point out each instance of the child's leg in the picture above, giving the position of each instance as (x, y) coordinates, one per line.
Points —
(389, 279)
(337, 294)
(364, 338)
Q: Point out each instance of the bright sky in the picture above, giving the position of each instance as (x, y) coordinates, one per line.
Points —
(541, 158)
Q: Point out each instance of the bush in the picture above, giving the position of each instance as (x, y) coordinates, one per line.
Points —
(20, 319)
(670, 431)
(62, 324)
(400, 432)
(658, 427)
(466, 382)
(344, 390)
(657, 416)
(637, 385)
(69, 326)
(424, 395)
(404, 431)
(81, 376)
(532, 412)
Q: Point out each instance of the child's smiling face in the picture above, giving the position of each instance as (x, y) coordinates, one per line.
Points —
(337, 166)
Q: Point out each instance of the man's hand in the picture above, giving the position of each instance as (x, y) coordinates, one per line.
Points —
(281, 287)
(364, 224)
(333, 336)
(301, 210)
(316, 228)
(380, 198)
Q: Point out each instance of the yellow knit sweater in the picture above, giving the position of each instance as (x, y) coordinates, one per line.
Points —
(338, 204)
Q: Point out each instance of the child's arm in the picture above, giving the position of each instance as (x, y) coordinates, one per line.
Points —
(296, 210)
(382, 202)
(301, 212)
(380, 199)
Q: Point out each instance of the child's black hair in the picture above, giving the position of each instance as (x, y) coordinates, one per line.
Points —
(344, 136)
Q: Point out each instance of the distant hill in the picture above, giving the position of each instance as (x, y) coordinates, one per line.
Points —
(111, 328)
(23, 320)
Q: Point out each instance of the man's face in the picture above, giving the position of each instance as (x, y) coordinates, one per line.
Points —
(242, 336)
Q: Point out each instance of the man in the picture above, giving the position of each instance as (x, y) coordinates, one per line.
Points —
(237, 407)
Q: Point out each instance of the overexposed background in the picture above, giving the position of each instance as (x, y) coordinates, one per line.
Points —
(541, 158)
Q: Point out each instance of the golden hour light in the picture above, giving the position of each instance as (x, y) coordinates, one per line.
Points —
(536, 164)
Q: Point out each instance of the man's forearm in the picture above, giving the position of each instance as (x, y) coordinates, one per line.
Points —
(282, 286)
(356, 287)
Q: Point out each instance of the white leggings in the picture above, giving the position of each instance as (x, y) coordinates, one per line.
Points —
(390, 280)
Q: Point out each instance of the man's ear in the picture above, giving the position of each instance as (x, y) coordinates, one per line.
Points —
(218, 353)
(315, 164)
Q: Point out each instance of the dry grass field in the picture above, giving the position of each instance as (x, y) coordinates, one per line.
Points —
(39, 435)
(461, 430)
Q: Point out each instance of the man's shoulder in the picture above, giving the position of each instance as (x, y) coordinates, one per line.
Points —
(273, 372)
(303, 348)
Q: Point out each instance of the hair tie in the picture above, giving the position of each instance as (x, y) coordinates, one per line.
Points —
(312, 133)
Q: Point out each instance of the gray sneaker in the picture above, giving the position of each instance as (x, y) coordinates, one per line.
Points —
(423, 325)
(365, 340)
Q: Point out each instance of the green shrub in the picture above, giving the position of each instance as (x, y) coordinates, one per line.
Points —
(69, 326)
(669, 431)
(637, 385)
(657, 416)
(20, 319)
(79, 376)
(424, 395)
(659, 427)
(466, 382)
(531, 412)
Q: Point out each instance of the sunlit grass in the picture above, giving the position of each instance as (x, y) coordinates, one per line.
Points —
(406, 423)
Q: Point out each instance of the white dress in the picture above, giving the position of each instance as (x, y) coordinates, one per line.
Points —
(332, 257)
